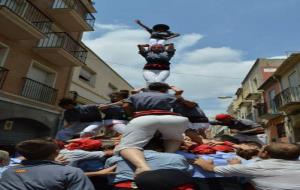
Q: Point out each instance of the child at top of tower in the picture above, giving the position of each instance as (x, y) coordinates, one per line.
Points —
(159, 33)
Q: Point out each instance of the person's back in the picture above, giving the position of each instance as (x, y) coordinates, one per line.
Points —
(152, 100)
(44, 175)
(40, 172)
(276, 174)
(279, 169)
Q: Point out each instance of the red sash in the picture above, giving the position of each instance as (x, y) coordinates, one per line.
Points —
(153, 112)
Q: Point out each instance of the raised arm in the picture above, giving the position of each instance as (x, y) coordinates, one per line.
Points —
(143, 26)
(176, 90)
(174, 35)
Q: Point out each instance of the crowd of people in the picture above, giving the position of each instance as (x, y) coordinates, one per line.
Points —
(151, 138)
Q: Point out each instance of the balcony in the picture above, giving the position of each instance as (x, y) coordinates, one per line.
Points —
(61, 49)
(254, 95)
(3, 74)
(89, 4)
(38, 91)
(72, 15)
(288, 100)
(22, 20)
(265, 113)
(244, 103)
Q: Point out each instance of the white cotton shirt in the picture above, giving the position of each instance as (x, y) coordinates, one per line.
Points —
(271, 174)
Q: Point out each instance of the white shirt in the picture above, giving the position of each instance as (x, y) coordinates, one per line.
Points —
(271, 174)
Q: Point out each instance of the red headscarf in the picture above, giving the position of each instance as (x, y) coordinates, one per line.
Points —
(221, 117)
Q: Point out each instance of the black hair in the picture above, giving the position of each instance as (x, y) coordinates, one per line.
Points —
(37, 149)
(66, 101)
(158, 86)
(283, 151)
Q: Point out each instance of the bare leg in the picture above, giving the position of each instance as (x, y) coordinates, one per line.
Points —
(137, 158)
(172, 145)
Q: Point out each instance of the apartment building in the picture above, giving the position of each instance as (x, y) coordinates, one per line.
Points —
(287, 100)
(268, 112)
(248, 97)
(40, 44)
(94, 81)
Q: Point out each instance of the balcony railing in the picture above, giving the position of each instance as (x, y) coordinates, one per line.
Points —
(78, 7)
(3, 74)
(38, 91)
(29, 13)
(264, 110)
(287, 96)
(63, 40)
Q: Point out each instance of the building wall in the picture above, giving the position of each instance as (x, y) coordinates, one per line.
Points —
(19, 60)
(284, 78)
(103, 76)
(24, 118)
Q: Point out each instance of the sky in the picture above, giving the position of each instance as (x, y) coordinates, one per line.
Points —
(220, 41)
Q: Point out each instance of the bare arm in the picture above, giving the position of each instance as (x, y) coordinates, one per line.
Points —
(172, 36)
(143, 26)
(104, 172)
(176, 90)
(142, 47)
(255, 130)
(128, 109)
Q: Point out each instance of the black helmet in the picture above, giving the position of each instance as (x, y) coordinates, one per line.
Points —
(161, 27)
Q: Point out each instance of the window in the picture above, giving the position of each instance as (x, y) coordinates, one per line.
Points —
(271, 100)
(293, 79)
(254, 85)
(112, 88)
(87, 76)
(281, 130)
(42, 74)
(3, 54)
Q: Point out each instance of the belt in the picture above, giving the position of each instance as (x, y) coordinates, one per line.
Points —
(154, 112)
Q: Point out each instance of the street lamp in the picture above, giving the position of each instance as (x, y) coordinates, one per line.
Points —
(225, 97)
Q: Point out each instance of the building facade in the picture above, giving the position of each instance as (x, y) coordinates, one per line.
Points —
(39, 47)
(287, 100)
(248, 96)
(93, 82)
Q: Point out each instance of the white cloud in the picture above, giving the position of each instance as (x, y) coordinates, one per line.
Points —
(101, 26)
(209, 72)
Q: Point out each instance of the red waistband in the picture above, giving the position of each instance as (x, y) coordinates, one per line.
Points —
(185, 187)
(157, 66)
(126, 184)
(153, 112)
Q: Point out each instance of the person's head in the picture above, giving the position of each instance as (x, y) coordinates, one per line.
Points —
(4, 158)
(67, 103)
(247, 153)
(160, 28)
(157, 48)
(283, 151)
(225, 118)
(124, 93)
(159, 87)
(38, 149)
(115, 97)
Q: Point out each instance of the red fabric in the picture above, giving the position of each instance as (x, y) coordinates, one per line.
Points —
(185, 187)
(125, 184)
(221, 117)
(208, 149)
(85, 144)
(153, 112)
